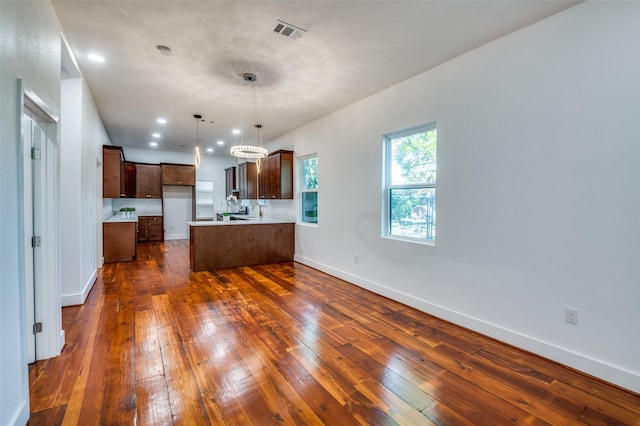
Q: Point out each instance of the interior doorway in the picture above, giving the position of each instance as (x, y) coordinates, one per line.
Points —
(39, 148)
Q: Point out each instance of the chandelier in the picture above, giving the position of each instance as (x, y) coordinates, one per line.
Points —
(239, 149)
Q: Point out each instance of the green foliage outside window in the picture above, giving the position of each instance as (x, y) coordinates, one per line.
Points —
(310, 173)
(412, 181)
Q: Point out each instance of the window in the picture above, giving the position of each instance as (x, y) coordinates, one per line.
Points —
(309, 192)
(410, 184)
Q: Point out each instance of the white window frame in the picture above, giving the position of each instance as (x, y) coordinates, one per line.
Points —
(301, 215)
(388, 186)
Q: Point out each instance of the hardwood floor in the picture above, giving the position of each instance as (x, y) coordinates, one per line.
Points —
(155, 344)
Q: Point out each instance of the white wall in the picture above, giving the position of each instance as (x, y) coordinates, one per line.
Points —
(538, 193)
(82, 136)
(29, 49)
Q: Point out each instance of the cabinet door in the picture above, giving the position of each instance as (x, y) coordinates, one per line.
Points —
(155, 228)
(112, 159)
(143, 234)
(119, 241)
(129, 179)
(251, 182)
(274, 177)
(247, 184)
(148, 181)
(285, 179)
(177, 174)
(230, 181)
(266, 167)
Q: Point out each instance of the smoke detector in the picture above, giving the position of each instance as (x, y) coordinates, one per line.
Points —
(288, 30)
(165, 50)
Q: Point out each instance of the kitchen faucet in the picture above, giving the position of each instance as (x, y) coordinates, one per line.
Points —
(259, 208)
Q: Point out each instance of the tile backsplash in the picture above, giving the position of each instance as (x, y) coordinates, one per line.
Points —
(142, 205)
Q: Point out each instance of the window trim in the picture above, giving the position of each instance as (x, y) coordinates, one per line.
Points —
(387, 186)
(300, 179)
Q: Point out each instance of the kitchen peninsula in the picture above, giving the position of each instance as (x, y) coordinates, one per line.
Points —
(240, 242)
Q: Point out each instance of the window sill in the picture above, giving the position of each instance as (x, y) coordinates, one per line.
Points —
(430, 243)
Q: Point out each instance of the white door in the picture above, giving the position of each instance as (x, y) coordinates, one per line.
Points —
(29, 273)
(42, 281)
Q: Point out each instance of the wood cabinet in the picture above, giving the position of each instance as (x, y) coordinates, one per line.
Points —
(230, 181)
(247, 181)
(150, 228)
(119, 241)
(112, 171)
(225, 246)
(129, 180)
(148, 181)
(276, 176)
(178, 174)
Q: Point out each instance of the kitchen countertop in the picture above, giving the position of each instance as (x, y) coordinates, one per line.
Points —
(245, 220)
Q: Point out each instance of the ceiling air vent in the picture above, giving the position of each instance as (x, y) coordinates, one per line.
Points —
(288, 30)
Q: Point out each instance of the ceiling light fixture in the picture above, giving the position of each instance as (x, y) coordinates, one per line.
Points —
(95, 58)
(240, 149)
(220, 142)
(155, 135)
(209, 149)
(153, 143)
(162, 120)
(197, 159)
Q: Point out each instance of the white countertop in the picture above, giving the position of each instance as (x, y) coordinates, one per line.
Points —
(248, 220)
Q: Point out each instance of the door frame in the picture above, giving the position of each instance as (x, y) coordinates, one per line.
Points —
(48, 307)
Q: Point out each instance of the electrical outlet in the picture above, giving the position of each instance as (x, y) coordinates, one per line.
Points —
(571, 316)
(355, 258)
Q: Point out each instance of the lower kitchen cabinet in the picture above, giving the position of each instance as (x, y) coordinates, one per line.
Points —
(119, 241)
(150, 228)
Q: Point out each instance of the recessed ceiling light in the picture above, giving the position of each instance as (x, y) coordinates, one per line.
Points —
(209, 149)
(236, 131)
(162, 120)
(220, 142)
(155, 135)
(95, 58)
(153, 143)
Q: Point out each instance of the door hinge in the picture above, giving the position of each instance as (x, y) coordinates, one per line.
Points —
(36, 241)
(35, 153)
(37, 328)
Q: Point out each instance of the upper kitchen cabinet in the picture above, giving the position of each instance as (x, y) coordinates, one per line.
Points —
(276, 177)
(148, 181)
(230, 181)
(129, 179)
(247, 181)
(113, 171)
(178, 174)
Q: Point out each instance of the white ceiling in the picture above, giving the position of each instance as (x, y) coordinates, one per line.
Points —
(352, 49)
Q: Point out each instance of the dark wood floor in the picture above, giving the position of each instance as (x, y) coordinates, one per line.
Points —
(155, 344)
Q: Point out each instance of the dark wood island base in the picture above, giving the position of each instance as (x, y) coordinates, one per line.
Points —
(217, 247)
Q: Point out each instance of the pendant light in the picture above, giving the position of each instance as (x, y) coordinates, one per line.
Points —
(197, 159)
(241, 150)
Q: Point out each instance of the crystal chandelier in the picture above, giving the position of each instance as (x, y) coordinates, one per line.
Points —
(240, 149)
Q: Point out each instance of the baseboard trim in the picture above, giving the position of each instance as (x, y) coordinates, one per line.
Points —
(21, 414)
(79, 298)
(584, 363)
(176, 237)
